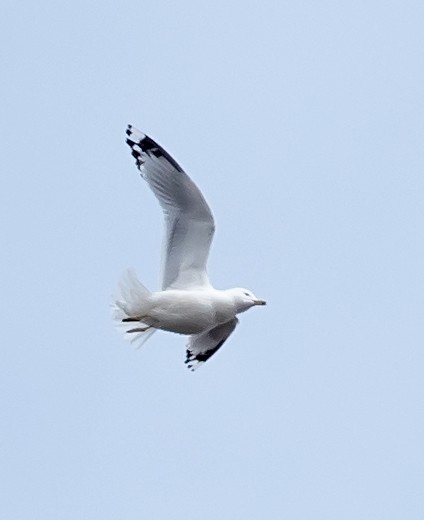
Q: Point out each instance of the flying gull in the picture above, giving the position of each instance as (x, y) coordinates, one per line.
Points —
(187, 303)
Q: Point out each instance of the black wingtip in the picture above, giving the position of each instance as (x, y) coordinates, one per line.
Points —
(148, 146)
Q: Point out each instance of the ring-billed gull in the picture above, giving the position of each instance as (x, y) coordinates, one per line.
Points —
(187, 303)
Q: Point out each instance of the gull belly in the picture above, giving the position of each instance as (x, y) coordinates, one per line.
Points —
(189, 312)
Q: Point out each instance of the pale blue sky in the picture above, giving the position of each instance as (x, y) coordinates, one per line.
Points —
(303, 124)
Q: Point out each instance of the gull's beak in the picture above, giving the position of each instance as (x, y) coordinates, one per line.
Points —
(259, 302)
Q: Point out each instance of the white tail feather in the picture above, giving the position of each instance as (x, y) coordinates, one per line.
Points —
(132, 299)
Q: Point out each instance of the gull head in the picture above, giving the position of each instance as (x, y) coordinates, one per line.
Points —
(244, 299)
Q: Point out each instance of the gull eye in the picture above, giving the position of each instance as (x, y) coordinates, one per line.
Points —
(246, 294)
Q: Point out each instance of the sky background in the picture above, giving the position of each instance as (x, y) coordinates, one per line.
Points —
(303, 124)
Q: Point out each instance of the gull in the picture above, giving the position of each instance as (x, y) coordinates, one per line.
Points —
(187, 303)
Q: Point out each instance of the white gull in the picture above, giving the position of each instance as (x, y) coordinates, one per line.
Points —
(187, 303)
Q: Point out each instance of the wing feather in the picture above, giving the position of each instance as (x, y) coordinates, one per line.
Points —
(201, 347)
(189, 221)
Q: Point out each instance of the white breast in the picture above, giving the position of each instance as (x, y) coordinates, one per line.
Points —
(190, 312)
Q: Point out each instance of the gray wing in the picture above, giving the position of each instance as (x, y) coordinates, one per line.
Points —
(201, 347)
(189, 220)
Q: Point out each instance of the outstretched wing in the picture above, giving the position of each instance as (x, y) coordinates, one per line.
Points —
(189, 220)
(201, 347)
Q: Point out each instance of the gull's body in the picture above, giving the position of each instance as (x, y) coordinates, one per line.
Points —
(190, 312)
(187, 304)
